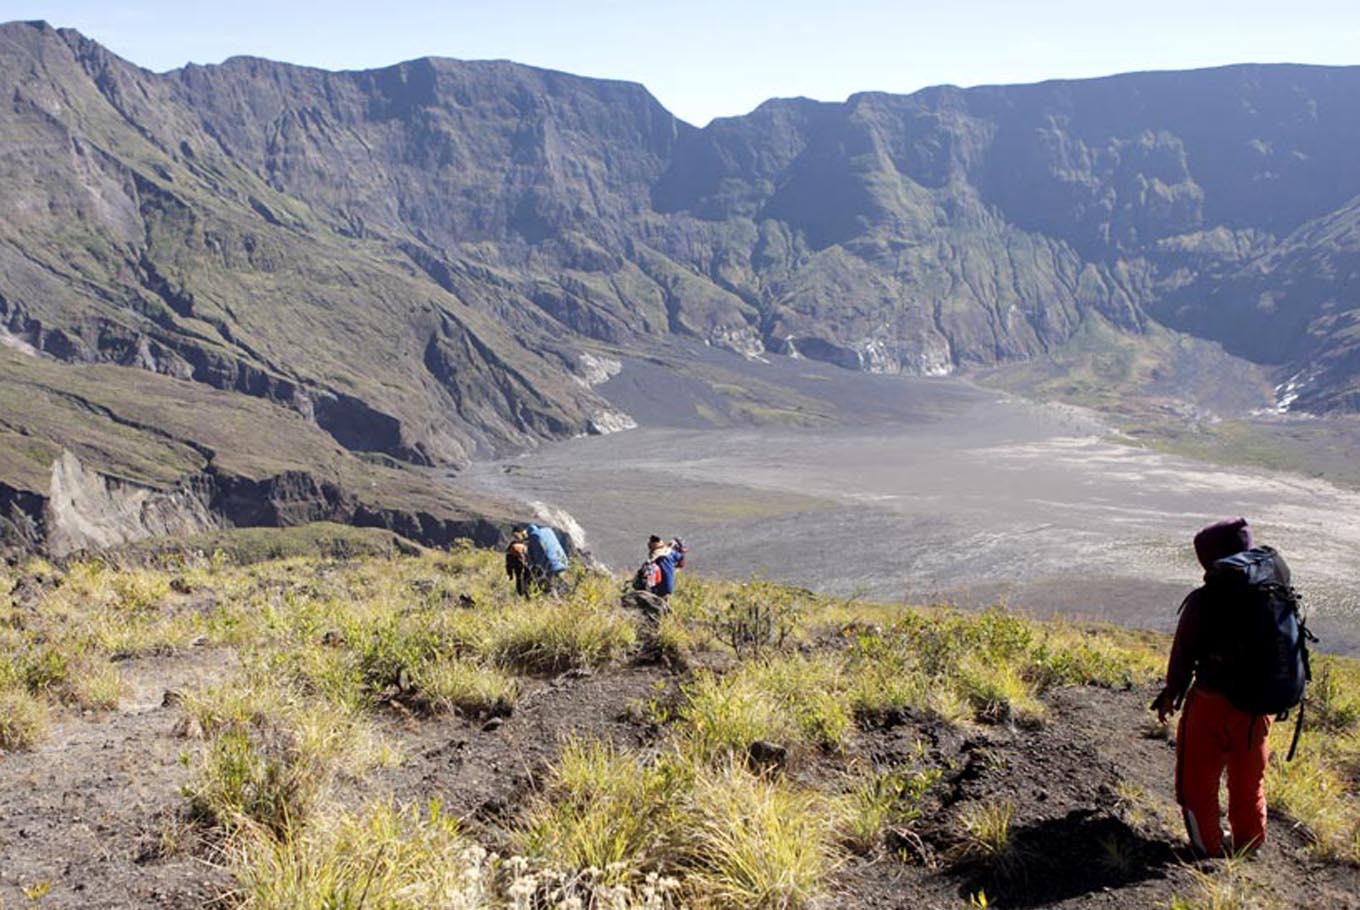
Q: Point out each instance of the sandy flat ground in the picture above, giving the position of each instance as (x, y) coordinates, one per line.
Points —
(987, 499)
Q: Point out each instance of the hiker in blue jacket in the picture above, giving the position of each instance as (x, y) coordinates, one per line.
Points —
(547, 559)
(663, 559)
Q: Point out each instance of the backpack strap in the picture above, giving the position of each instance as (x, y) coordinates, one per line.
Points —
(1181, 608)
(1298, 730)
(1306, 636)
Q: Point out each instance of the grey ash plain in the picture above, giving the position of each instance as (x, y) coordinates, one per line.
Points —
(931, 490)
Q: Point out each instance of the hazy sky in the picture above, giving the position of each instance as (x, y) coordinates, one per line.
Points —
(707, 58)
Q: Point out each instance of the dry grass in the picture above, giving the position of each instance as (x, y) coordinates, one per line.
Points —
(326, 647)
(606, 810)
(23, 720)
(754, 842)
(1229, 888)
(1319, 788)
(382, 857)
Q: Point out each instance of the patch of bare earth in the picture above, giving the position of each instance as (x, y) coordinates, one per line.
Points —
(92, 818)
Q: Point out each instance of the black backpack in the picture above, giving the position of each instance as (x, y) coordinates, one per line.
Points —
(1259, 640)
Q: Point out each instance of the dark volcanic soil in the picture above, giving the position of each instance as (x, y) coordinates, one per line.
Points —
(96, 813)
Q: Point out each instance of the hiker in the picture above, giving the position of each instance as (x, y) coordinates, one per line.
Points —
(517, 561)
(547, 559)
(657, 574)
(1237, 660)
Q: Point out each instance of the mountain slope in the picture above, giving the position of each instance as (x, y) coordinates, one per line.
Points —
(421, 262)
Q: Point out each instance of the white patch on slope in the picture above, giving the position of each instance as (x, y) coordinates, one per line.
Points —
(10, 340)
(562, 520)
(596, 370)
(607, 420)
(88, 510)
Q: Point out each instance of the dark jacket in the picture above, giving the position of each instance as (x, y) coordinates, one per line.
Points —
(1189, 661)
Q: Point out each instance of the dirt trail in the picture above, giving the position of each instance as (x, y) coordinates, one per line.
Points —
(93, 813)
(1095, 820)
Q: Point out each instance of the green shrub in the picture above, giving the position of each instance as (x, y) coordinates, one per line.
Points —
(759, 619)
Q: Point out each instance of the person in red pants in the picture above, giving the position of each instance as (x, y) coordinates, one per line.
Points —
(1214, 736)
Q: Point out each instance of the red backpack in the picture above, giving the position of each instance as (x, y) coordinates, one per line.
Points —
(647, 576)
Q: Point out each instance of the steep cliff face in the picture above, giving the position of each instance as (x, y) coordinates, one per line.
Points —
(131, 237)
(416, 260)
(982, 223)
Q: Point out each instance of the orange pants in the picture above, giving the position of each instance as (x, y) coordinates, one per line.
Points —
(1215, 736)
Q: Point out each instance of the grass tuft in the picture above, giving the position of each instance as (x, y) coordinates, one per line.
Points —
(23, 720)
(881, 800)
(448, 683)
(758, 843)
(987, 838)
(545, 637)
(603, 809)
(385, 857)
(1228, 888)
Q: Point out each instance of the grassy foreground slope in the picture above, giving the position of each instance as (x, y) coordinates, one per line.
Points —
(388, 730)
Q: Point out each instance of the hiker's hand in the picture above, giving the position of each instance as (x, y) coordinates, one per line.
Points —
(1164, 704)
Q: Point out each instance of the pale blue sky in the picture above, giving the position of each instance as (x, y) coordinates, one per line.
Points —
(707, 58)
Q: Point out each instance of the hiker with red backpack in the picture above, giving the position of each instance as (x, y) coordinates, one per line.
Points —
(1239, 659)
(657, 574)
